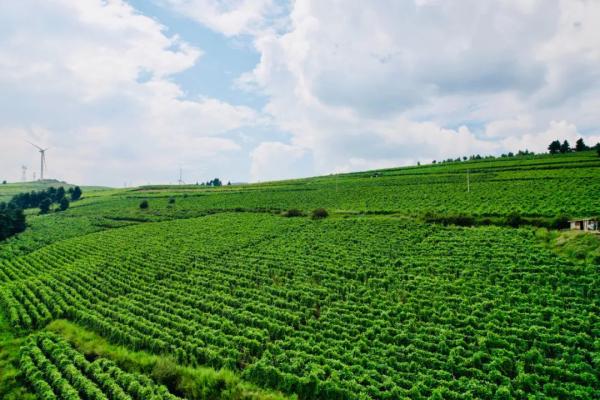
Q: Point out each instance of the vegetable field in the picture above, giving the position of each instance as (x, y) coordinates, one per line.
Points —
(355, 306)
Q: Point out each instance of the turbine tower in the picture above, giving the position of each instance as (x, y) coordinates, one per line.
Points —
(42, 159)
(180, 181)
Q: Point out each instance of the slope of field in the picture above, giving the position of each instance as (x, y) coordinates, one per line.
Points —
(369, 303)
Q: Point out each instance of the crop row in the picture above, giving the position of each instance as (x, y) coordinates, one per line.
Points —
(356, 308)
(56, 371)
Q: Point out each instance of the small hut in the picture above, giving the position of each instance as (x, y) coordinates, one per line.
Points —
(586, 224)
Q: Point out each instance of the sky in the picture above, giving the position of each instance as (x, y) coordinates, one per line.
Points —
(127, 93)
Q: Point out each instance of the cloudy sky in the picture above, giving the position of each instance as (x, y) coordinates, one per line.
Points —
(128, 92)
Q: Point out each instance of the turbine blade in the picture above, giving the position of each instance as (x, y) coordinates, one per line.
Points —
(34, 145)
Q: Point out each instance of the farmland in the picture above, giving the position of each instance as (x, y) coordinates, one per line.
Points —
(371, 302)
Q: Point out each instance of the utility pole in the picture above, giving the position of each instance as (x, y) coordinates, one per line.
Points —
(468, 182)
(24, 173)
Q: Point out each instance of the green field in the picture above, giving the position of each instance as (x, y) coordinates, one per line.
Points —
(211, 293)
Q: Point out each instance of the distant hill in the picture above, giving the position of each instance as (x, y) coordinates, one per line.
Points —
(8, 190)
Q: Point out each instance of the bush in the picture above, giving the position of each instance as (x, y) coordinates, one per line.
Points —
(144, 204)
(45, 205)
(293, 212)
(64, 204)
(560, 222)
(319, 213)
(514, 219)
(172, 200)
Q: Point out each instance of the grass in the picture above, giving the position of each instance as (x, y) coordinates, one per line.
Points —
(582, 247)
(11, 385)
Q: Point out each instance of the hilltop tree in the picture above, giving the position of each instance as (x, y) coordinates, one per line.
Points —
(565, 147)
(75, 193)
(12, 221)
(554, 147)
(580, 145)
(45, 205)
(59, 195)
(64, 204)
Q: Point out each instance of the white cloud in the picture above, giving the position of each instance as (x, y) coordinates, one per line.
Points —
(398, 81)
(353, 85)
(229, 17)
(92, 79)
(276, 161)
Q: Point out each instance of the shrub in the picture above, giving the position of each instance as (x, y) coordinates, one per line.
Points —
(45, 205)
(560, 222)
(144, 204)
(172, 200)
(75, 193)
(514, 219)
(319, 213)
(293, 212)
(64, 204)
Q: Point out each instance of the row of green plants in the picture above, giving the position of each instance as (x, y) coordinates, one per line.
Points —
(56, 371)
(340, 308)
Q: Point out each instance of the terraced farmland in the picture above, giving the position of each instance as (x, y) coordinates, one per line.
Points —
(356, 306)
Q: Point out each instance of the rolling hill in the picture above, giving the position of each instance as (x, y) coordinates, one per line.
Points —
(214, 293)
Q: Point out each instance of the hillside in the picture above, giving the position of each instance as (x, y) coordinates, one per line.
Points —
(8, 190)
(213, 293)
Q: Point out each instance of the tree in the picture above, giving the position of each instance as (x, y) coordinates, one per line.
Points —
(12, 221)
(580, 145)
(76, 193)
(564, 147)
(45, 205)
(319, 213)
(554, 147)
(144, 204)
(4, 182)
(59, 194)
(64, 204)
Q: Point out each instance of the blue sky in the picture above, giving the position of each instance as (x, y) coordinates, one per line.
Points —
(129, 91)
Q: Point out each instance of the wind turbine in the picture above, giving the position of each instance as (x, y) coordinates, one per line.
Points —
(42, 159)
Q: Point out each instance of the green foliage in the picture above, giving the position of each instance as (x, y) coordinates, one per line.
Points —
(367, 304)
(319, 213)
(45, 205)
(144, 204)
(64, 204)
(52, 367)
(580, 145)
(554, 147)
(12, 221)
(293, 212)
(422, 303)
(514, 220)
(75, 193)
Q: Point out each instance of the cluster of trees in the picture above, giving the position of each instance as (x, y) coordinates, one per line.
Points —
(12, 221)
(12, 218)
(45, 198)
(488, 157)
(556, 147)
(215, 183)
